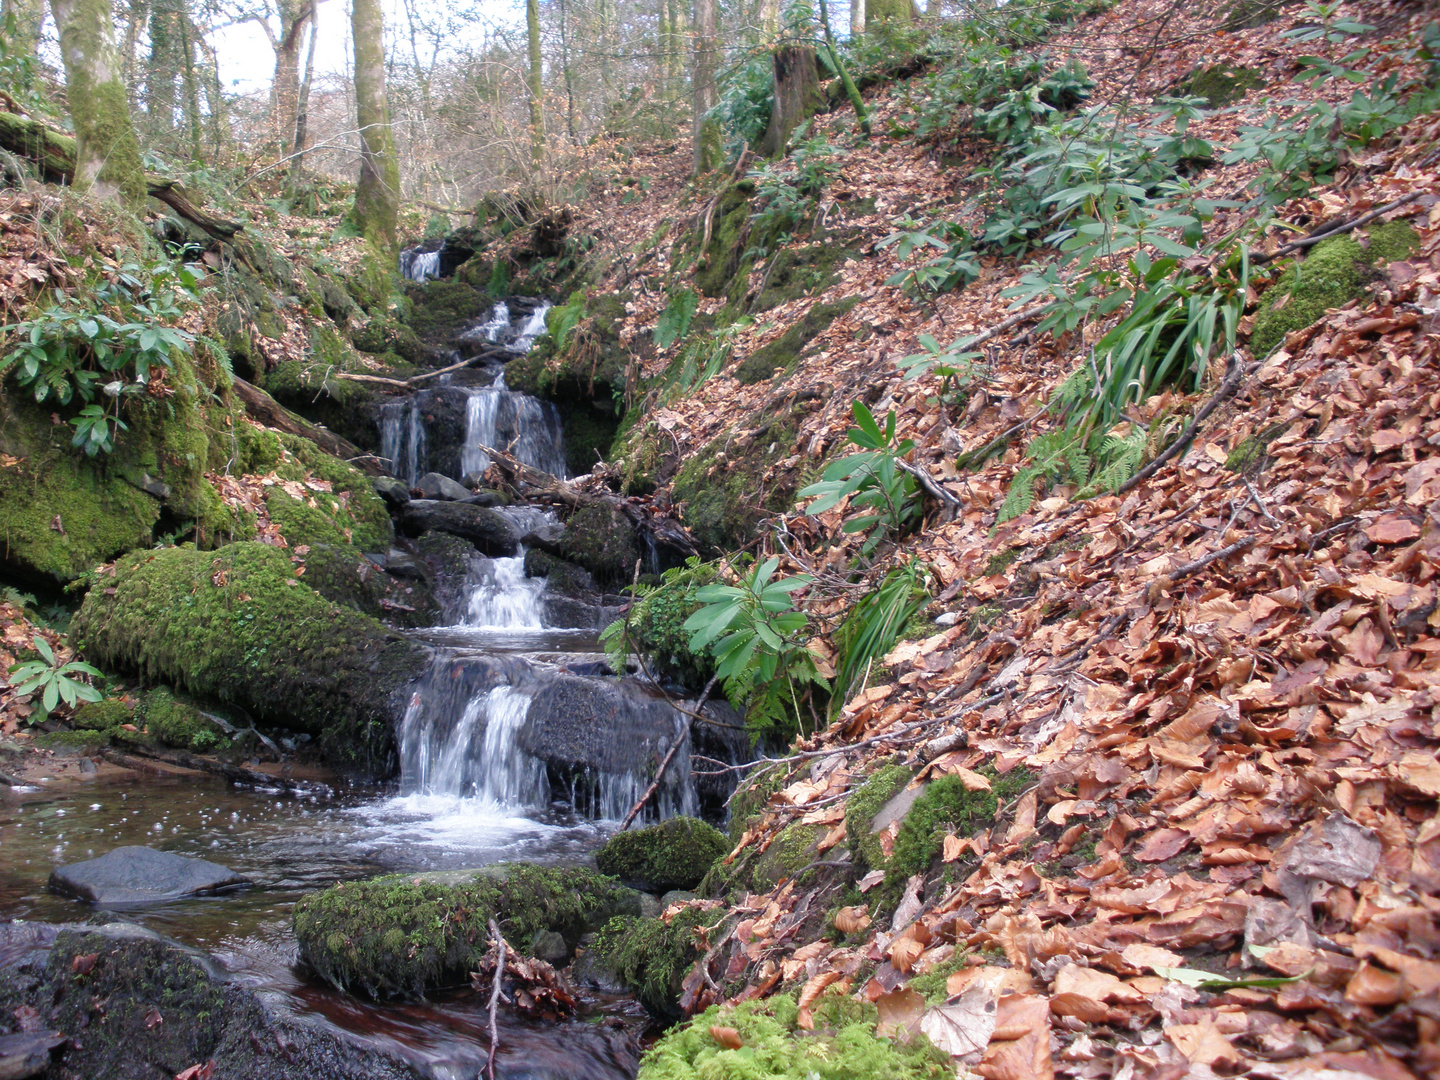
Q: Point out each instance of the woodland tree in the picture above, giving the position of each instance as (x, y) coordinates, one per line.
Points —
(703, 88)
(377, 194)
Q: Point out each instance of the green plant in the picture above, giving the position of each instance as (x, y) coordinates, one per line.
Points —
(53, 681)
(954, 268)
(872, 479)
(956, 367)
(674, 321)
(873, 625)
(705, 357)
(655, 627)
(757, 638)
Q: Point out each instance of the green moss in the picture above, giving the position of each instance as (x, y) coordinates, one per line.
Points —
(101, 715)
(797, 272)
(948, 806)
(443, 306)
(351, 504)
(75, 740)
(675, 854)
(1223, 84)
(1249, 455)
(784, 352)
(175, 723)
(237, 626)
(842, 1046)
(564, 578)
(1002, 560)
(729, 231)
(1334, 273)
(601, 539)
(789, 853)
(651, 957)
(1248, 14)
(861, 808)
(725, 500)
(750, 799)
(931, 985)
(386, 335)
(404, 935)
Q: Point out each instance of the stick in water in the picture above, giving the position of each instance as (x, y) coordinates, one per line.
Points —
(495, 995)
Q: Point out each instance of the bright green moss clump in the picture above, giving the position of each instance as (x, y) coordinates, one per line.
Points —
(175, 723)
(860, 811)
(843, 1046)
(101, 715)
(1333, 274)
(237, 626)
(404, 935)
(651, 957)
(947, 806)
(675, 854)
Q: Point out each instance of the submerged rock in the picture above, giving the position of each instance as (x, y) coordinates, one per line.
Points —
(141, 875)
(404, 935)
(490, 531)
(166, 1007)
(676, 854)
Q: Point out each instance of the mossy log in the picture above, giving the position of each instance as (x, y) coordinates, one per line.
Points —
(271, 413)
(54, 152)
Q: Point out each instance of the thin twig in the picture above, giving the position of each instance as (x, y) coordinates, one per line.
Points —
(951, 503)
(495, 995)
(683, 736)
(1261, 503)
(1338, 230)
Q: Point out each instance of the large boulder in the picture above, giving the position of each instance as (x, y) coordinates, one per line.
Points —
(238, 626)
(166, 1007)
(404, 935)
(676, 854)
(609, 726)
(141, 875)
(490, 531)
(435, 486)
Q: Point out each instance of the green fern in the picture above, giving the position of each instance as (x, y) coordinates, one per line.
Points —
(1116, 460)
(674, 321)
(1053, 457)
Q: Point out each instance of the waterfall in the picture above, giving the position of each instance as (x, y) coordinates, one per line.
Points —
(476, 756)
(503, 598)
(533, 328)
(417, 265)
(529, 428)
(402, 438)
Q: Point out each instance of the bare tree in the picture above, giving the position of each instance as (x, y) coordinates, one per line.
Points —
(377, 194)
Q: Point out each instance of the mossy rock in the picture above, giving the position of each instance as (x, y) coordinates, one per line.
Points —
(861, 808)
(675, 854)
(748, 804)
(650, 957)
(945, 806)
(176, 723)
(101, 715)
(1248, 14)
(797, 272)
(789, 853)
(1334, 273)
(842, 1044)
(383, 335)
(405, 935)
(237, 626)
(564, 578)
(442, 307)
(339, 572)
(729, 230)
(725, 501)
(1222, 84)
(602, 540)
(784, 352)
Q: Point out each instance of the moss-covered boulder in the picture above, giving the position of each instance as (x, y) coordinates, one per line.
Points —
(842, 1044)
(1222, 84)
(861, 808)
(784, 352)
(1334, 273)
(405, 935)
(237, 626)
(737, 480)
(650, 957)
(562, 577)
(676, 854)
(602, 540)
(101, 715)
(180, 724)
(722, 260)
(947, 805)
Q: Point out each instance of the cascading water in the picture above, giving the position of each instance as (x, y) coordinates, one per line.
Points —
(529, 428)
(503, 598)
(417, 265)
(402, 437)
(475, 756)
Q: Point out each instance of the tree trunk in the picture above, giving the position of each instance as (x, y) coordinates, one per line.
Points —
(286, 87)
(797, 95)
(851, 90)
(302, 116)
(673, 62)
(107, 156)
(857, 18)
(568, 73)
(704, 95)
(29, 14)
(128, 48)
(166, 37)
(536, 87)
(768, 18)
(377, 195)
(192, 91)
(898, 11)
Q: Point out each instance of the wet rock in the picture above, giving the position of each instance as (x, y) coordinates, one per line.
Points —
(401, 564)
(675, 854)
(572, 613)
(600, 539)
(486, 498)
(550, 947)
(613, 727)
(166, 1007)
(27, 1055)
(484, 527)
(434, 486)
(560, 576)
(141, 875)
(676, 896)
(395, 492)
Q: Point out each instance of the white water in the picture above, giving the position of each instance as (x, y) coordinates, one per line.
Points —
(533, 328)
(420, 265)
(402, 437)
(503, 598)
(525, 426)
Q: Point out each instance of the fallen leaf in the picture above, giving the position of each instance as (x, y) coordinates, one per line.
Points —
(898, 1010)
(727, 1037)
(964, 1026)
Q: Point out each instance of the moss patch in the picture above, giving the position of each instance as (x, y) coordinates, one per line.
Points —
(101, 715)
(1222, 84)
(726, 498)
(600, 539)
(1334, 273)
(174, 723)
(797, 272)
(675, 854)
(729, 231)
(860, 811)
(651, 957)
(560, 576)
(403, 935)
(238, 627)
(842, 1046)
(784, 352)
(947, 806)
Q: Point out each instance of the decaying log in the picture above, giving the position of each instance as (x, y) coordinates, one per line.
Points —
(262, 407)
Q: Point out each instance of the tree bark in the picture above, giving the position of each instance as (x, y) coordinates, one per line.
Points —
(377, 195)
(703, 89)
(857, 18)
(302, 116)
(898, 11)
(286, 87)
(271, 413)
(797, 95)
(536, 87)
(107, 155)
(166, 37)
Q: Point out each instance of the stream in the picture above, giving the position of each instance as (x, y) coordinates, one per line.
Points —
(477, 785)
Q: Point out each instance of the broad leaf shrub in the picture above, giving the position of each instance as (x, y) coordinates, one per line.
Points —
(52, 681)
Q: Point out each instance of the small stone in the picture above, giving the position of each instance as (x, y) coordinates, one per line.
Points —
(141, 875)
(550, 947)
(949, 618)
(395, 492)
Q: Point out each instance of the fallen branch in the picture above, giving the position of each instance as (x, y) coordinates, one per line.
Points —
(495, 996)
(1338, 230)
(1232, 381)
(1192, 568)
(403, 384)
(1003, 325)
(932, 486)
(262, 407)
(185, 760)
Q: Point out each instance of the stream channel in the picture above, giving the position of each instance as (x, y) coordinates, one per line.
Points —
(476, 786)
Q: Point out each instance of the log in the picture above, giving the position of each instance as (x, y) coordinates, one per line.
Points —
(262, 407)
(54, 152)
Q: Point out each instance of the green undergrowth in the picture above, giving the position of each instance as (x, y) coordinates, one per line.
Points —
(860, 811)
(651, 957)
(403, 936)
(783, 354)
(843, 1045)
(732, 484)
(675, 854)
(655, 627)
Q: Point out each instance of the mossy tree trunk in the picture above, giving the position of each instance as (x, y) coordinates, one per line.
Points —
(797, 94)
(166, 36)
(107, 155)
(286, 85)
(851, 90)
(899, 11)
(302, 119)
(377, 195)
(857, 18)
(704, 94)
(533, 79)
